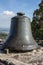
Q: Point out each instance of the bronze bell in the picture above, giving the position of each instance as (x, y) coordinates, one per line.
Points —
(20, 36)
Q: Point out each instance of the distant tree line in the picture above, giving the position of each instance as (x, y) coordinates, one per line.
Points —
(3, 35)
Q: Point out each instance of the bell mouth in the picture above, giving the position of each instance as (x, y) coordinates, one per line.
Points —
(20, 13)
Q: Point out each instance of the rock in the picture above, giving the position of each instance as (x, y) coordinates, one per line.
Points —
(11, 63)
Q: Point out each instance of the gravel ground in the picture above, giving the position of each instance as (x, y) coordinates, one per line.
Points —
(34, 57)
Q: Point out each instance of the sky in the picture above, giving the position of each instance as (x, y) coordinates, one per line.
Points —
(9, 8)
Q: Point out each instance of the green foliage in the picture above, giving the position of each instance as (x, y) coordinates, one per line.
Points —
(3, 35)
(37, 22)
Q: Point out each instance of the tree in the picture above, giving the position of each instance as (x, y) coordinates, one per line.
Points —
(37, 22)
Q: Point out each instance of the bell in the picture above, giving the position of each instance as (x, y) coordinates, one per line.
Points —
(20, 36)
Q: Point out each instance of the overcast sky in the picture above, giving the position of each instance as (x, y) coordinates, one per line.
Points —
(9, 8)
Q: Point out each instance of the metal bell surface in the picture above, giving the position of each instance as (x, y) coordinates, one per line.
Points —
(20, 35)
